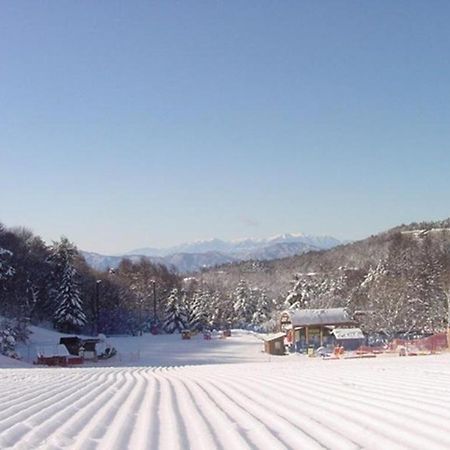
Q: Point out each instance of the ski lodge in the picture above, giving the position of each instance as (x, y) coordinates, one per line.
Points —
(314, 327)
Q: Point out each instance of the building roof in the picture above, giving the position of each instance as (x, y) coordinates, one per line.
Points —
(309, 317)
(274, 337)
(348, 333)
(52, 350)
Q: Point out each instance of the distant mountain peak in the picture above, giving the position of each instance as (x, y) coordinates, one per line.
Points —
(286, 236)
(192, 256)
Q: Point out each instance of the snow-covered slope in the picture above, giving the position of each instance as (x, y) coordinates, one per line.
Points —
(10, 363)
(162, 350)
(384, 403)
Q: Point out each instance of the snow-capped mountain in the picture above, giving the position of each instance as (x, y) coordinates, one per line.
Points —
(190, 257)
(238, 246)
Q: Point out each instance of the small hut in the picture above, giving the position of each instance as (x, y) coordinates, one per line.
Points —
(349, 338)
(274, 344)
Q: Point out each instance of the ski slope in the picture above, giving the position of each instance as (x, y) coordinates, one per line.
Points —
(287, 402)
(162, 350)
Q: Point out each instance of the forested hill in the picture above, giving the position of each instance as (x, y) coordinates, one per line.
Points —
(401, 276)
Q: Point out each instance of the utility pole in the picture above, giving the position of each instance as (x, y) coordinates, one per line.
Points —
(97, 306)
(154, 299)
(140, 316)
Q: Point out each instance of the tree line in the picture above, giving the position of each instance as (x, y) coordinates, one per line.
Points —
(53, 285)
(397, 282)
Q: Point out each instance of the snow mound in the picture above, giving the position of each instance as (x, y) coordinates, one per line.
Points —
(11, 363)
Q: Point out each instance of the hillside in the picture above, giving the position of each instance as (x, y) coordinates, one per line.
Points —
(182, 262)
(403, 274)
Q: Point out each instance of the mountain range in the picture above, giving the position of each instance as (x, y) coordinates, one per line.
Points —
(193, 256)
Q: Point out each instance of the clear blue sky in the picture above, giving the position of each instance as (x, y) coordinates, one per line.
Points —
(125, 124)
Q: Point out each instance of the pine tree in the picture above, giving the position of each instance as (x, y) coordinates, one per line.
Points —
(244, 304)
(175, 319)
(6, 269)
(195, 307)
(263, 308)
(69, 315)
(192, 309)
(220, 312)
(9, 338)
(298, 296)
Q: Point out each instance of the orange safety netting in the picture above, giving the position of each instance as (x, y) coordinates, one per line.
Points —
(430, 343)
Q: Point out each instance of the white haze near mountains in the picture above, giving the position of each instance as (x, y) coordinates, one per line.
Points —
(189, 257)
(238, 245)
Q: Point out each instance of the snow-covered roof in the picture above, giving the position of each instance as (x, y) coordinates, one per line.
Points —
(348, 333)
(53, 350)
(308, 317)
(274, 336)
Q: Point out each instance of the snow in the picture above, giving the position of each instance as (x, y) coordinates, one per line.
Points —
(348, 333)
(161, 350)
(6, 362)
(271, 337)
(171, 350)
(179, 397)
(329, 316)
(53, 350)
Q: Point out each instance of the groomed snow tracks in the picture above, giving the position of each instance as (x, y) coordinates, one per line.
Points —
(383, 404)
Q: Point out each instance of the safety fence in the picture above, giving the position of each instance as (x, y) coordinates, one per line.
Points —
(434, 343)
(429, 344)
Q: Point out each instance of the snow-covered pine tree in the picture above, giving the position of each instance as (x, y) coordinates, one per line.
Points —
(6, 269)
(175, 319)
(219, 308)
(8, 339)
(244, 304)
(69, 315)
(263, 308)
(298, 296)
(195, 308)
(203, 309)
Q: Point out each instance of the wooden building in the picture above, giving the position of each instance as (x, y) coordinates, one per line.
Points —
(274, 344)
(313, 327)
(349, 338)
